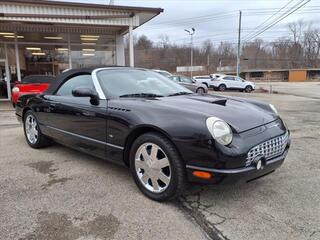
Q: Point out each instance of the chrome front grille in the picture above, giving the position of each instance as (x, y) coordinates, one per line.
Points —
(268, 149)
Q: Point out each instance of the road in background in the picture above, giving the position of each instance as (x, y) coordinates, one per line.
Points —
(303, 89)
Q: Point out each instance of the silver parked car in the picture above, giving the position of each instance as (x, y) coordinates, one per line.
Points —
(190, 84)
(162, 72)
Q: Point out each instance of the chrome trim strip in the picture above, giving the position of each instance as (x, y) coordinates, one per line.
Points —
(86, 138)
(237, 170)
(97, 84)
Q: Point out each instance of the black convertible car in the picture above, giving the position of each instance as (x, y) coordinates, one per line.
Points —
(166, 134)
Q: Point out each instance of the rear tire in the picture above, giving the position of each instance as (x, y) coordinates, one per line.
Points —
(200, 90)
(157, 168)
(32, 132)
(222, 87)
(205, 84)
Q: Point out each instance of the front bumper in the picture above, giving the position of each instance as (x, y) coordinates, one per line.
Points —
(237, 175)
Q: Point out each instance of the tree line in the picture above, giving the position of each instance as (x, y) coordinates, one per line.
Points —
(299, 49)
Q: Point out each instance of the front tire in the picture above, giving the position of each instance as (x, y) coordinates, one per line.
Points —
(248, 89)
(157, 167)
(222, 87)
(32, 132)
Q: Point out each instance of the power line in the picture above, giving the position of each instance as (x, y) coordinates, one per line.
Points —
(279, 19)
(263, 23)
(274, 20)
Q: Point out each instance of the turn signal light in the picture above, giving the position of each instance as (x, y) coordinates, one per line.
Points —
(201, 174)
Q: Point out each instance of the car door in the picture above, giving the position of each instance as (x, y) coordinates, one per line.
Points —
(229, 81)
(238, 83)
(188, 83)
(75, 121)
(241, 83)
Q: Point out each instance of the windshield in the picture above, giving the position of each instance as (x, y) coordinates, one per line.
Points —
(138, 83)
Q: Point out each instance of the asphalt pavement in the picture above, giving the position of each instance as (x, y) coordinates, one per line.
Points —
(57, 193)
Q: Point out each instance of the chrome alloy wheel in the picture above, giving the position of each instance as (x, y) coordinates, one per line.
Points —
(31, 129)
(152, 167)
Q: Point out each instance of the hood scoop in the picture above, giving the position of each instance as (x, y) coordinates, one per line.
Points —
(221, 102)
(218, 101)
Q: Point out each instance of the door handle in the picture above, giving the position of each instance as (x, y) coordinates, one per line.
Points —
(52, 106)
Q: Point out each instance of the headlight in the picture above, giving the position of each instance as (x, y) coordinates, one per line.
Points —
(219, 130)
(273, 109)
(15, 89)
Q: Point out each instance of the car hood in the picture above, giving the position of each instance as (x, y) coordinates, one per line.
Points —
(241, 114)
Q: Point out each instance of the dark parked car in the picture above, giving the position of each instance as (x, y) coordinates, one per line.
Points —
(191, 84)
(166, 134)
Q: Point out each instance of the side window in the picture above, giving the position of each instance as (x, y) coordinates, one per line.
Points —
(186, 80)
(175, 78)
(84, 81)
(229, 78)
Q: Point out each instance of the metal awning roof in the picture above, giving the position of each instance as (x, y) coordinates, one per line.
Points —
(68, 16)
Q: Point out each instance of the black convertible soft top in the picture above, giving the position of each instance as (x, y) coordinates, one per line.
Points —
(63, 77)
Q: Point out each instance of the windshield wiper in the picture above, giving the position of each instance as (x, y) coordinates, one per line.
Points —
(141, 95)
(179, 93)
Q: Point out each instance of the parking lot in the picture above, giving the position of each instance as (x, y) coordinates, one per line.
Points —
(57, 193)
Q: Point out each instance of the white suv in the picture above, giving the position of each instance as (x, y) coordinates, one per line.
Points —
(207, 80)
(232, 82)
(203, 80)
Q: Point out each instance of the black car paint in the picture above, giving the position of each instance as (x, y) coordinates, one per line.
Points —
(106, 130)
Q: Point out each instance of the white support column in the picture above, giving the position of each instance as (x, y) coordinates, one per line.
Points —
(69, 51)
(8, 76)
(120, 61)
(131, 53)
(17, 57)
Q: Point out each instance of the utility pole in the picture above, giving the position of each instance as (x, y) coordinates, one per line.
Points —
(191, 48)
(239, 45)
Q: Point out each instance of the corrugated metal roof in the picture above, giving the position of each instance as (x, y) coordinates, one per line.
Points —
(87, 5)
(66, 15)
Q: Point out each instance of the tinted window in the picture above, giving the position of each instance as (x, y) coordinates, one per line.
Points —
(84, 81)
(229, 78)
(256, 74)
(135, 81)
(186, 79)
(37, 79)
(175, 78)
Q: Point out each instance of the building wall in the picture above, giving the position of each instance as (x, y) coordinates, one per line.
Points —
(267, 76)
(297, 75)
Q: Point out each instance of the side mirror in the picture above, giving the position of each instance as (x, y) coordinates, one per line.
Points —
(87, 92)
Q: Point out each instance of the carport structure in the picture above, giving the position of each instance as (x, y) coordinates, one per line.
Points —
(47, 37)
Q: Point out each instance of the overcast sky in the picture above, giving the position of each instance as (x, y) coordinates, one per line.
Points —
(217, 20)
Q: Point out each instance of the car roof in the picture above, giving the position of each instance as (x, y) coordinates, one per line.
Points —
(64, 76)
